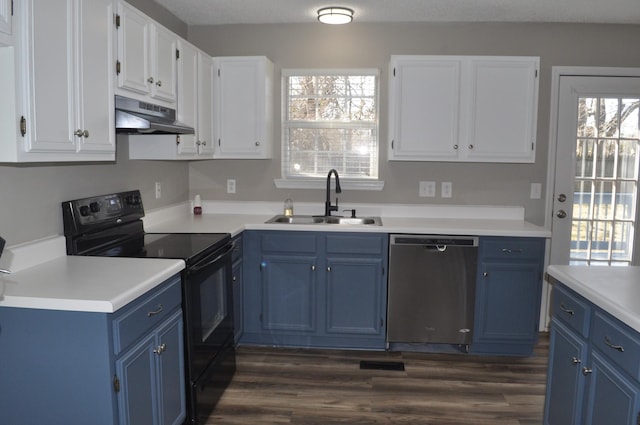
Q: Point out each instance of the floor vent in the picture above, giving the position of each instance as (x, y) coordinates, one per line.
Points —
(368, 364)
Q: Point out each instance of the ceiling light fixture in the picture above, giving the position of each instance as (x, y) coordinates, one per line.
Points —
(335, 15)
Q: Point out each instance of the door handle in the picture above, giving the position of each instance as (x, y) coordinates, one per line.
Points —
(561, 214)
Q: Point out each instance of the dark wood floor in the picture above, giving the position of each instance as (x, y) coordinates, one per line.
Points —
(288, 386)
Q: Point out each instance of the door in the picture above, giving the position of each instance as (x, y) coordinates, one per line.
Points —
(596, 171)
(133, 50)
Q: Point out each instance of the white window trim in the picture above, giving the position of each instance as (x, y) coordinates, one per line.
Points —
(320, 183)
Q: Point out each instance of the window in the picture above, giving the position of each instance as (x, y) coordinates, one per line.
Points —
(330, 120)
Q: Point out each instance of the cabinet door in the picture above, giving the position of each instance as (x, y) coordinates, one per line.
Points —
(289, 293)
(508, 301)
(94, 100)
(611, 397)
(170, 357)
(240, 104)
(502, 109)
(5, 16)
(205, 104)
(163, 63)
(133, 50)
(49, 88)
(238, 296)
(187, 107)
(565, 381)
(425, 105)
(138, 384)
(354, 299)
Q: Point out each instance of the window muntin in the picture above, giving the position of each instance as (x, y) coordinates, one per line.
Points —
(330, 120)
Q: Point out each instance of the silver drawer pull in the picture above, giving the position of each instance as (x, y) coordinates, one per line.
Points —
(566, 310)
(161, 349)
(576, 361)
(586, 371)
(511, 251)
(156, 311)
(608, 342)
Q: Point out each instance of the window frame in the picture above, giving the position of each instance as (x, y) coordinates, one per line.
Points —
(351, 183)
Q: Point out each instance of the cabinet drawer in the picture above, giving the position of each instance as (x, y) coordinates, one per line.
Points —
(617, 342)
(355, 244)
(512, 248)
(571, 309)
(289, 242)
(149, 311)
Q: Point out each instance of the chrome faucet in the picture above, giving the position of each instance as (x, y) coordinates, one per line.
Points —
(327, 205)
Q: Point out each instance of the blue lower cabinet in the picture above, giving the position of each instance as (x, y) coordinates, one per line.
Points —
(315, 289)
(68, 367)
(594, 368)
(508, 294)
(567, 354)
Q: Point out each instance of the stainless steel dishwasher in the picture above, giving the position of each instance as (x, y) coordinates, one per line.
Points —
(431, 289)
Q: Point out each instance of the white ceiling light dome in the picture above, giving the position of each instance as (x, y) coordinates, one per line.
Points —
(335, 15)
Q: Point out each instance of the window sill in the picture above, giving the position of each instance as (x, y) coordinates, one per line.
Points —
(375, 185)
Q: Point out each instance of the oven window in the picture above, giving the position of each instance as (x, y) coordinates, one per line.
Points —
(212, 303)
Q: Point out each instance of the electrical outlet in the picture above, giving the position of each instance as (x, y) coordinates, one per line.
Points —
(231, 186)
(536, 191)
(427, 189)
(446, 191)
(158, 190)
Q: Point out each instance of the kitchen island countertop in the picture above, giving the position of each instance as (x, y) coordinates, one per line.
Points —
(616, 290)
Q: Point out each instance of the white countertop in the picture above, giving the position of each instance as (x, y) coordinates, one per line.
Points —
(450, 221)
(616, 290)
(93, 284)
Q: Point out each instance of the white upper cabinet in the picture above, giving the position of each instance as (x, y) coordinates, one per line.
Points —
(64, 92)
(463, 108)
(243, 107)
(194, 108)
(146, 57)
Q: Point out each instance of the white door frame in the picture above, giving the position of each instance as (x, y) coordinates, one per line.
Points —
(556, 73)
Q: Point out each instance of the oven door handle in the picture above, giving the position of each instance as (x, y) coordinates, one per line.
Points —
(197, 268)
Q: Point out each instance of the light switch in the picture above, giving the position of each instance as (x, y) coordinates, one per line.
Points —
(446, 191)
(536, 191)
(427, 189)
(231, 186)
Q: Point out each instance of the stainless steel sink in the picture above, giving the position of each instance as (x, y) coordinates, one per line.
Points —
(310, 219)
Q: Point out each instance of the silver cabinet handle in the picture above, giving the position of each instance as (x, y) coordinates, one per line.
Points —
(566, 310)
(159, 83)
(511, 251)
(204, 143)
(328, 268)
(156, 311)
(485, 274)
(455, 147)
(586, 371)
(313, 268)
(575, 361)
(257, 143)
(150, 80)
(608, 342)
(85, 133)
(79, 133)
(470, 146)
(161, 349)
(5, 271)
(234, 278)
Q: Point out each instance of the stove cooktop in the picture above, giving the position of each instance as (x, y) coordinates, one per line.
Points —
(185, 246)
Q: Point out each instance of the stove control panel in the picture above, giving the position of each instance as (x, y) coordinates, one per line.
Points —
(82, 215)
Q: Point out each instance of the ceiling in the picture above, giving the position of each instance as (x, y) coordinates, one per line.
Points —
(219, 12)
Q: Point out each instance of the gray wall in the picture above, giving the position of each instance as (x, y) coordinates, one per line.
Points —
(370, 45)
(30, 195)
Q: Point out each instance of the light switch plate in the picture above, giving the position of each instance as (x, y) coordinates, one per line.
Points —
(536, 190)
(158, 190)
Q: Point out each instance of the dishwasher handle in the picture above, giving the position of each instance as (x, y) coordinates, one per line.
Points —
(438, 242)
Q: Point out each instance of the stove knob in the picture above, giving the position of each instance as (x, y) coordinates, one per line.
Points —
(133, 200)
(94, 206)
(84, 210)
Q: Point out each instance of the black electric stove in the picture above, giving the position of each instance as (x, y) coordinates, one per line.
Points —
(111, 226)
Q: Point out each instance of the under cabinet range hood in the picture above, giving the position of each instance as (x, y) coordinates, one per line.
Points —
(137, 117)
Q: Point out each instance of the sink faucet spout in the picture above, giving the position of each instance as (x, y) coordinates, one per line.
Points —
(327, 204)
